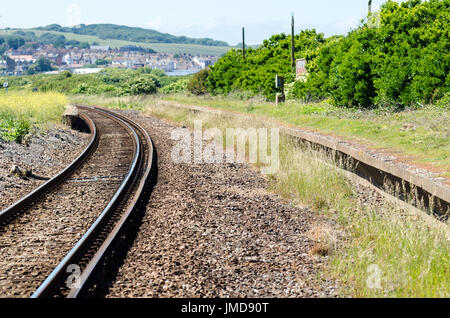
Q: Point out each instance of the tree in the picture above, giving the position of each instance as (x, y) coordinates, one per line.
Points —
(3, 49)
(198, 83)
(42, 64)
(15, 42)
(402, 61)
(102, 62)
(85, 45)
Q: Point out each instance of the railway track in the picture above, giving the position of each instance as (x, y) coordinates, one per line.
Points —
(55, 241)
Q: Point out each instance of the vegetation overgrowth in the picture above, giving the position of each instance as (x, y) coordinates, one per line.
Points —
(398, 57)
(20, 112)
(111, 82)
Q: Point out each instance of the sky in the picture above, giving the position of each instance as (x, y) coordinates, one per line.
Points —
(220, 20)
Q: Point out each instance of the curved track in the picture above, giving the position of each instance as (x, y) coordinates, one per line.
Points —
(54, 239)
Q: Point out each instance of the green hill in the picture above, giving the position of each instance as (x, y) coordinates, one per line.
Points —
(162, 43)
(133, 34)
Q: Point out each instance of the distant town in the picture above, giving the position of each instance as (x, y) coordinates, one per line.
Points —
(94, 58)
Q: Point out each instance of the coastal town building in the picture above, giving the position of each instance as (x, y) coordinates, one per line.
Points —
(17, 62)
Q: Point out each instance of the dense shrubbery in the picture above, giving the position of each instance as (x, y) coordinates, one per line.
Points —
(198, 83)
(140, 86)
(404, 60)
(176, 87)
(400, 59)
(111, 82)
(257, 72)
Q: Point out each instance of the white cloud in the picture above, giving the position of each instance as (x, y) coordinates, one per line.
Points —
(155, 23)
(74, 11)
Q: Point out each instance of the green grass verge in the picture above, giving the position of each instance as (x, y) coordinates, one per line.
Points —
(422, 133)
(380, 251)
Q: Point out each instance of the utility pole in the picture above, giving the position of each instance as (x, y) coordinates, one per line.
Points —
(243, 43)
(293, 41)
(370, 7)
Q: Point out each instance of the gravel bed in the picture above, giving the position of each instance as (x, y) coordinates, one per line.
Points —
(216, 231)
(45, 154)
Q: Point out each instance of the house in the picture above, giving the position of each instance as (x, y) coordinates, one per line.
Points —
(202, 62)
(87, 70)
(165, 65)
(100, 47)
(23, 59)
(119, 60)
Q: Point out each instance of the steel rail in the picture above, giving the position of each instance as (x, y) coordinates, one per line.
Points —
(89, 271)
(9, 213)
(58, 277)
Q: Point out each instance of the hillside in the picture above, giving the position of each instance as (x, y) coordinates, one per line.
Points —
(133, 34)
(161, 47)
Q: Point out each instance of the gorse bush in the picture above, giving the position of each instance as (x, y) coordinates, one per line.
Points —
(198, 83)
(399, 57)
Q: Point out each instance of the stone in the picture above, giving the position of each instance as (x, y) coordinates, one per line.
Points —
(19, 173)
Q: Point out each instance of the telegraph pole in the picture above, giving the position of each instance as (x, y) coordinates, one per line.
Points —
(293, 41)
(243, 43)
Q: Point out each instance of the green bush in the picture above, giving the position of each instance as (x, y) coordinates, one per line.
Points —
(110, 82)
(397, 58)
(405, 59)
(13, 129)
(140, 86)
(198, 83)
(176, 87)
(257, 72)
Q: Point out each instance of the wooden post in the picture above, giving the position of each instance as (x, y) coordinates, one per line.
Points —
(243, 43)
(293, 42)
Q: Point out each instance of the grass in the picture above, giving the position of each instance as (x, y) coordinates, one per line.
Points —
(379, 245)
(421, 135)
(123, 103)
(20, 112)
(173, 48)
